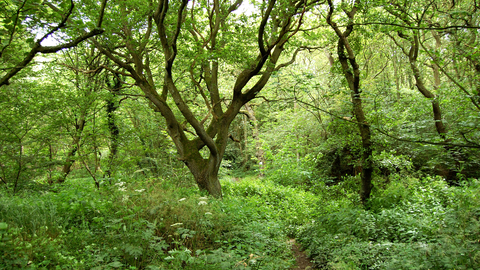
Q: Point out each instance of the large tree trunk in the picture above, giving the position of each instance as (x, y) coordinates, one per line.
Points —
(367, 164)
(205, 170)
(364, 128)
(206, 178)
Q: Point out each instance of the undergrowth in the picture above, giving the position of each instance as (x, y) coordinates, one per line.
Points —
(411, 224)
(152, 225)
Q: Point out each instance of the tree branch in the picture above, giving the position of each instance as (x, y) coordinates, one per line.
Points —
(444, 143)
(470, 96)
(37, 48)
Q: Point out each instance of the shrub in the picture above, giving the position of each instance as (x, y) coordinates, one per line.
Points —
(413, 224)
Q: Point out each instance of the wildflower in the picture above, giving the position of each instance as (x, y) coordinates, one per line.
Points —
(208, 213)
(176, 224)
(140, 190)
(203, 198)
(125, 198)
(121, 186)
(182, 199)
(202, 203)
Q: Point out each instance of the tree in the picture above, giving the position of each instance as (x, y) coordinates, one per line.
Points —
(82, 96)
(413, 38)
(351, 71)
(30, 125)
(197, 40)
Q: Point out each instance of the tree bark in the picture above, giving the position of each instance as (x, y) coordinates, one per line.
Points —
(396, 76)
(245, 153)
(437, 112)
(205, 173)
(412, 54)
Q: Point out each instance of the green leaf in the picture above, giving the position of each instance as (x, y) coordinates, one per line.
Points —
(115, 264)
(3, 226)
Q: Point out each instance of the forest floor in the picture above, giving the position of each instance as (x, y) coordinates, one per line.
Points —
(303, 262)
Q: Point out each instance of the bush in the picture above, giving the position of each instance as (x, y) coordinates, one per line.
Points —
(414, 224)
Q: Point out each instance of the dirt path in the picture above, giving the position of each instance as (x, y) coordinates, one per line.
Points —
(303, 263)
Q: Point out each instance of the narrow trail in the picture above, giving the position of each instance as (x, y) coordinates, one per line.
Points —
(303, 263)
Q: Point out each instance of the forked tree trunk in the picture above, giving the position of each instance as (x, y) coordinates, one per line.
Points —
(213, 136)
(205, 171)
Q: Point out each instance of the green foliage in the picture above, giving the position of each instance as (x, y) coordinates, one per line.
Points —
(305, 132)
(267, 200)
(152, 225)
(289, 148)
(411, 224)
(343, 194)
(26, 131)
(390, 162)
(286, 168)
(77, 228)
